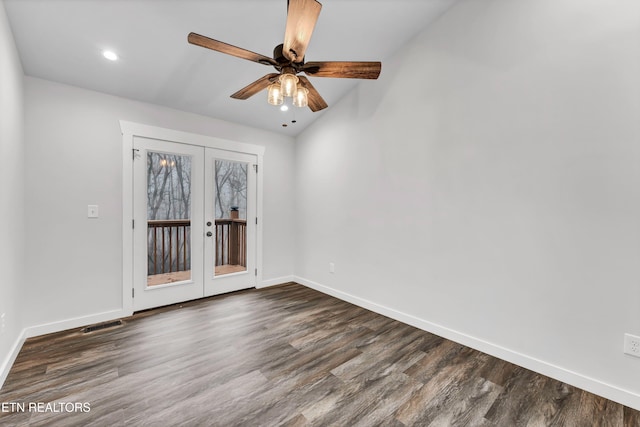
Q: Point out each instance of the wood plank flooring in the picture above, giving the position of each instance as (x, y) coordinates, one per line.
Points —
(284, 356)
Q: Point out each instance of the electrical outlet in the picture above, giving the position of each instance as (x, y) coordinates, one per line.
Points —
(632, 345)
(332, 267)
(92, 211)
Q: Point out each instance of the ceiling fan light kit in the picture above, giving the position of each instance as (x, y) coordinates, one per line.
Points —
(288, 60)
(301, 98)
(274, 94)
(289, 82)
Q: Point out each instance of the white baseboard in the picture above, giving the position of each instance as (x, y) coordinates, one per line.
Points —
(75, 322)
(608, 391)
(276, 281)
(7, 363)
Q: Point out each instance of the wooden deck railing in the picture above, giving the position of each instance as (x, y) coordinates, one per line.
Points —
(169, 242)
(231, 246)
(168, 245)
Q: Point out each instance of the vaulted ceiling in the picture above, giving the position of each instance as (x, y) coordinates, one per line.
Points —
(63, 40)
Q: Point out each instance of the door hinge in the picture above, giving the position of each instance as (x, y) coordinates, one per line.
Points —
(256, 220)
(255, 168)
(133, 223)
(133, 292)
(134, 151)
(256, 271)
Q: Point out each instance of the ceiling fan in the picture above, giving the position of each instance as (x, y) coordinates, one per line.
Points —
(289, 60)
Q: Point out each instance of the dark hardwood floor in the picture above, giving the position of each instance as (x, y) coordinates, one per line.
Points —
(283, 356)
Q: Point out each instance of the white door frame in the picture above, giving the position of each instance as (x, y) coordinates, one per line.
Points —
(130, 130)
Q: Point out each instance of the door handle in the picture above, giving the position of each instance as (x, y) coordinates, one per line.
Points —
(209, 234)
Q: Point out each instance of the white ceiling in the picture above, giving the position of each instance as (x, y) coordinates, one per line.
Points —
(62, 40)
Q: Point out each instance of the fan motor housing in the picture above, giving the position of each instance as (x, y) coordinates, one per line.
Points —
(279, 57)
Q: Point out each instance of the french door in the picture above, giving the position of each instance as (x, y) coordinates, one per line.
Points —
(194, 212)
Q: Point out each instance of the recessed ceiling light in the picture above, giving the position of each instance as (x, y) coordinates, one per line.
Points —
(110, 55)
(284, 108)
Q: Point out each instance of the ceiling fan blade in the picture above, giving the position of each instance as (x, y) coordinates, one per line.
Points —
(301, 20)
(223, 47)
(316, 103)
(255, 87)
(343, 69)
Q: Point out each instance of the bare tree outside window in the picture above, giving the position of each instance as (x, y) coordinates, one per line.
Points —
(231, 188)
(231, 215)
(168, 212)
(169, 217)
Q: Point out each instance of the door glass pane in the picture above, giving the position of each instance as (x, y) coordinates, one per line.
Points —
(168, 218)
(230, 195)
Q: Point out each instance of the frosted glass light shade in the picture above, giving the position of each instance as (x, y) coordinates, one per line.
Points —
(301, 99)
(288, 84)
(274, 96)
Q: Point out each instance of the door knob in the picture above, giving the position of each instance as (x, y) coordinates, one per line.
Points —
(209, 234)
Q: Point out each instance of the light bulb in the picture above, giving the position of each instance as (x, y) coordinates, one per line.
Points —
(301, 99)
(274, 96)
(288, 84)
(111, 56)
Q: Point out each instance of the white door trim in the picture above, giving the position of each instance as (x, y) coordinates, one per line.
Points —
(129, 131)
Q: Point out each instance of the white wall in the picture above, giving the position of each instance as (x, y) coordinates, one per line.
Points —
(487, 187)
(74, 158)
(11, 193)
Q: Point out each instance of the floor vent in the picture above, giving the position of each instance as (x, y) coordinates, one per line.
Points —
(101, 326)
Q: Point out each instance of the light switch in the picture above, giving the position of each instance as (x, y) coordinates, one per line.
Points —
(92, 211)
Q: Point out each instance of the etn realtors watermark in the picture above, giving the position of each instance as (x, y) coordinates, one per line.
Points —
(44, 407)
